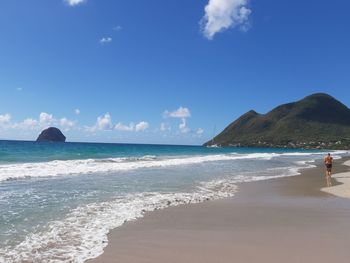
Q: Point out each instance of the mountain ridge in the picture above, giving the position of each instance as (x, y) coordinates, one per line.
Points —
(316, 121)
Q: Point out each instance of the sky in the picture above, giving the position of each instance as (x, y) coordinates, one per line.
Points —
(168, 72)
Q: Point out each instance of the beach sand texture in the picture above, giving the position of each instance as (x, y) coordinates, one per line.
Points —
(342, 189)
(279, 220)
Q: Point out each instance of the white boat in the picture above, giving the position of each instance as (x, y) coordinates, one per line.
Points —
(213, 146)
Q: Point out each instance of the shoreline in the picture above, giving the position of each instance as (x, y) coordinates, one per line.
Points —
(342, 188)
(219, 230)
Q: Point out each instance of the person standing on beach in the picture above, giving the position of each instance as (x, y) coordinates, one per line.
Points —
(328, 161)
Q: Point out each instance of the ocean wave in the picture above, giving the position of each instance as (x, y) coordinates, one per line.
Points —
(321, 153)
(88, 166)
(126, 159)
(110, 165)
(82, 234)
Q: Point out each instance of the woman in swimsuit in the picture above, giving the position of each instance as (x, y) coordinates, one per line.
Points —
(328, 161)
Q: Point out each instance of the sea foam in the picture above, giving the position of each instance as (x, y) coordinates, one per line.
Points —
(110, 165)
(82, 234)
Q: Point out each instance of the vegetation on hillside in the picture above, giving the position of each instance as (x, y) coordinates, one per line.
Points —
(317, 121)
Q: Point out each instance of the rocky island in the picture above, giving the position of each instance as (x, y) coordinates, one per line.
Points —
(51, 134)
(318, 121)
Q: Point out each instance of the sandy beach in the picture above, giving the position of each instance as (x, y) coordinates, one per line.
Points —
(280, 220)
(342, 189)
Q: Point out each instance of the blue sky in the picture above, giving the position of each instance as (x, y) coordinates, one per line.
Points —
(163, 71)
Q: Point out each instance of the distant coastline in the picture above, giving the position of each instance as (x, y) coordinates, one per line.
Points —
(338, 145)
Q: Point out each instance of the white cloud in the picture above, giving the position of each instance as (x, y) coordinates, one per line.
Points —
(19, 89)
(164, 127)
(199, 131)
(105, 40)
(181, 112)
(5, 118)
(183, 126)
(141, 126)
(74, 2)
(103, 123)
(77, 111)
(26, 124)
(224, 14)
(45, 119)
(117, 28)
(66, 124)
(122, 127)
(30, 123)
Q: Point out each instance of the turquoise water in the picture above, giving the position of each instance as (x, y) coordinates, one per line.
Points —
(58, 201)
(28, 151)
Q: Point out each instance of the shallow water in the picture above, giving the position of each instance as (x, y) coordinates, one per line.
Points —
(58, 201)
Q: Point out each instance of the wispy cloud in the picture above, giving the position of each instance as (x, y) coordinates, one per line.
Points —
(103, 123)
(199, 131)
(164, 127)
(46, 119)
(122, 127)
(74, 2)
(142, 126)
(77, 111)
(224, 14)
(183, 126)
(105, 40)
(117, 28)
(181, 112)
(43, 121)
(66, 124)
(27, 124)
(5, 119)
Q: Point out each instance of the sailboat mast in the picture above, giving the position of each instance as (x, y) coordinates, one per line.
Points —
(212, 140)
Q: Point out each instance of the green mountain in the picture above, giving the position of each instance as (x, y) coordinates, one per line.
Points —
(317, 121)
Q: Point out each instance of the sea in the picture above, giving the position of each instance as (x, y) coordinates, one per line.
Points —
(58, 201)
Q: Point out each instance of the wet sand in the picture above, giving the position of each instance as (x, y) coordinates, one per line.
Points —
(280, 220)
(343, 188)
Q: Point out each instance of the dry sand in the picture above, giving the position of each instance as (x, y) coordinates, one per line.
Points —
(280, 220)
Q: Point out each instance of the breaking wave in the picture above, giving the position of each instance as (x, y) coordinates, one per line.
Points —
(109, 165)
